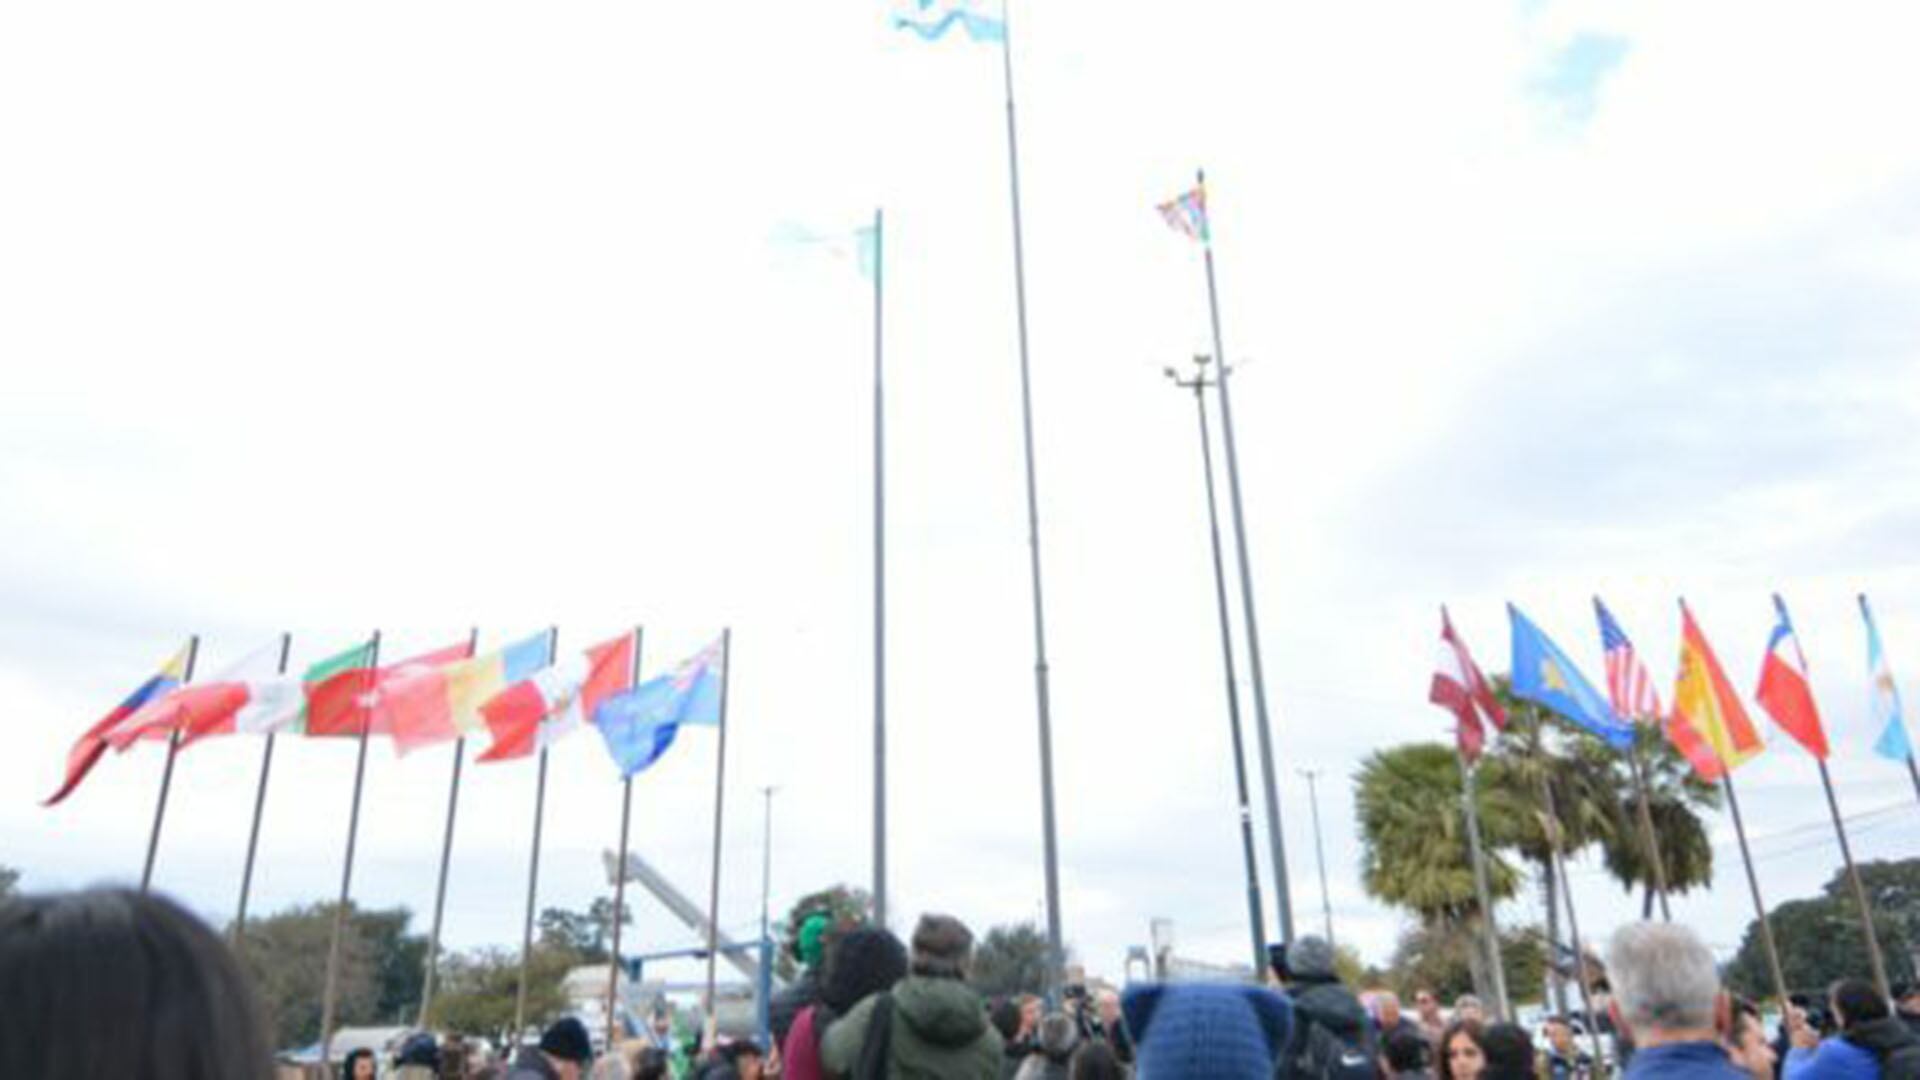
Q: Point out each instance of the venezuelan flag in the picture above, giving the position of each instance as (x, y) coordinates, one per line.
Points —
(91, 744)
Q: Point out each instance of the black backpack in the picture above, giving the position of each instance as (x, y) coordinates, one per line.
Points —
(1325, 1055)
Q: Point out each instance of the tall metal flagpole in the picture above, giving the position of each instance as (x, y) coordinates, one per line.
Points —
(1056, 951)
(1497, 971)
(1647, 833)
(533, 864)
(446, 860)
(879, 593)
(329, 996)
(620, 874)
(1256, 922)
(719, 807)
(1319, 849)
(1753, 885)
(1276, 836)
(166, 774)
(259, 808)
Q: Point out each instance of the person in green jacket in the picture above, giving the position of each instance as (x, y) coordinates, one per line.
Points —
(938, 1027)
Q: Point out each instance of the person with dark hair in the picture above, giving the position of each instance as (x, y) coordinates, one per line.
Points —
(1562, 1059)
(929, 1024)
(1509, 1052)
(651, 1065)
(564, 1053)
(359, 1064)
(1462, 1051)
(1096, 1060)
(740, 1059)
(1870, 1043)
(1433, 1022)
(1906, 1005)
(857, 964)
(1408, 1055)
(113, 983)
(1747, 1044)
(1332, 1035)
(1207, 1031)
(418, 1059)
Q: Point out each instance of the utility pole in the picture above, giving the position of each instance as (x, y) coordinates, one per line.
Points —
(1319, 849)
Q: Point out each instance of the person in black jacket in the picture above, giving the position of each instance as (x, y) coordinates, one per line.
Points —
(1332, 1033)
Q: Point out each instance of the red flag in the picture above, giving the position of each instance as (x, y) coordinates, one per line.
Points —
(1459, 687)
(343, 703)
(540, 710)
(1784, 691)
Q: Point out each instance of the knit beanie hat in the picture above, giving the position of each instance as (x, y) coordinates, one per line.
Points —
(1217, 1030)
(567, 1040)
(1309, 959)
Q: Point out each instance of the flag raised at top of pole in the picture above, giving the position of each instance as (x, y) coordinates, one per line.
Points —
(931, 19)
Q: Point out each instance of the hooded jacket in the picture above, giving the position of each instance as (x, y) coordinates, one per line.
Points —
(1331, 1006)
(940, 1032)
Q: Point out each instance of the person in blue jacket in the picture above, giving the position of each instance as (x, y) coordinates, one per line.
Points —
(1871, 1044)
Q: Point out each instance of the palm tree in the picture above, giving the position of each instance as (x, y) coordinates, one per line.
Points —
(1675, 798)
(1539, 749)
(1413, 841)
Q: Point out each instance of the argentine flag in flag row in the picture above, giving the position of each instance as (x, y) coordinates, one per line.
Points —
(931, 19)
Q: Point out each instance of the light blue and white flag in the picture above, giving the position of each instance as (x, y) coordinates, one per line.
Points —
(931, 19)
(1892, 742)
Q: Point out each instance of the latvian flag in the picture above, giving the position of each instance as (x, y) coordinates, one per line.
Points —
(1460, 688)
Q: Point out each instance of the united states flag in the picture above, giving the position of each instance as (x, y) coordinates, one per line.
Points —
(1630, 690)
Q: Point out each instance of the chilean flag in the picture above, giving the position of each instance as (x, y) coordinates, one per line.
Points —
(1784, 691)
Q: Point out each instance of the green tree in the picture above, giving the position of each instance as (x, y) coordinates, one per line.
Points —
(478, 990)
(1442, 962)
(1676, 798)
(587, 934)
(1010, 959)
(1820, 938)
(846, 905)
(1539, 752)
(1413, 841)
(286, 955)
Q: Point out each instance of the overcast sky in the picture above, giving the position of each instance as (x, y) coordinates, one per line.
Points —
(425, 316)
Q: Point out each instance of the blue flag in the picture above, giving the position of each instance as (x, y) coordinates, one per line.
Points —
(931, 19)
(639, 725)
(1543, 675)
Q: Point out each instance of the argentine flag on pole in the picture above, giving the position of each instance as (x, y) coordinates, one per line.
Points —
(1892, 742)
(931, 19)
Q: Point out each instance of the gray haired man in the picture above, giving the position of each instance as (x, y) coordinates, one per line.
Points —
(1667, 992)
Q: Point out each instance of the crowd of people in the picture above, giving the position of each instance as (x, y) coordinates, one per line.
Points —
(112, 983)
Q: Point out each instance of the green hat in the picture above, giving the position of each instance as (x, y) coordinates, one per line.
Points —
(810, 946)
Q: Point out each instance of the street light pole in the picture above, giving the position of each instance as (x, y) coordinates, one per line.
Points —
(1319, 850)
(766, 864)
(1257, 922)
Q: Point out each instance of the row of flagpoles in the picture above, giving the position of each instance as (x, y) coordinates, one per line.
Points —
(1707, 723)
(524, 696)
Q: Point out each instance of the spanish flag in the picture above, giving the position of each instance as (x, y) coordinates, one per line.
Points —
(1709, 725)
